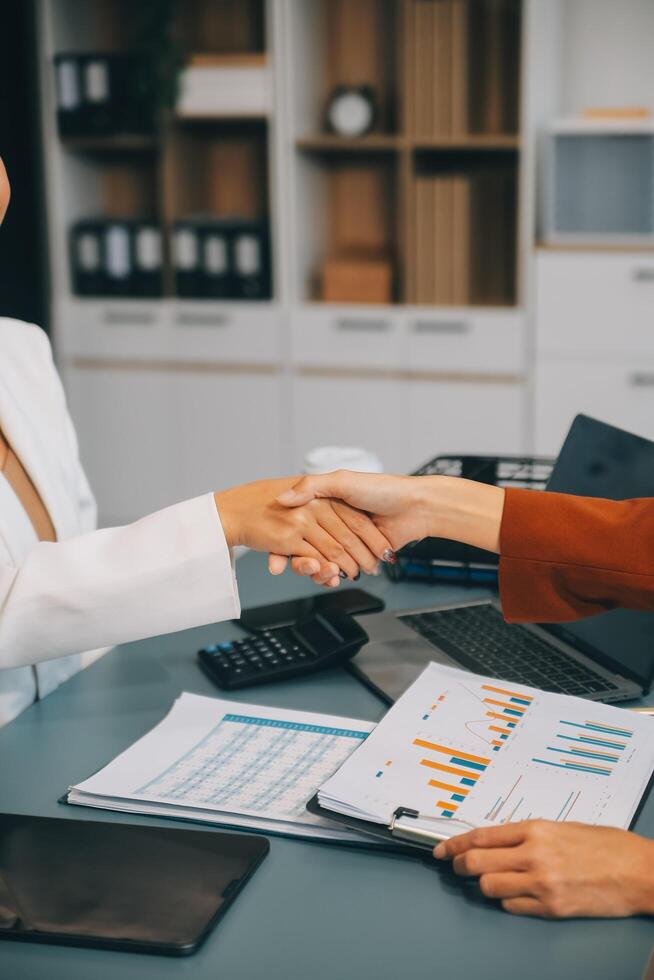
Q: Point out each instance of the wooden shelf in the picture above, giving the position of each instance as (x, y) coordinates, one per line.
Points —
(467, 142)
(245, 59)
(120, 143)
(362, 144)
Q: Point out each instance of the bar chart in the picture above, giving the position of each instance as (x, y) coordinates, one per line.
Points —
(478, 751)
(587, 747)
(456, 774)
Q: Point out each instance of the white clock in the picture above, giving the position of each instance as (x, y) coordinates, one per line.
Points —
(351, 111)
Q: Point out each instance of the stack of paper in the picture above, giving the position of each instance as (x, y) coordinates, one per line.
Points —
(232, 764)
(476, 751)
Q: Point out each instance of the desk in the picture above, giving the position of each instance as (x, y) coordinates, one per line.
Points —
(312, 910)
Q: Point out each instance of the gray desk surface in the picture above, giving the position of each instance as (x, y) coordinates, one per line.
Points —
(312, 910)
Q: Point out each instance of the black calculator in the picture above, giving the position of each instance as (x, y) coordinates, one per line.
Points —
(327, 640)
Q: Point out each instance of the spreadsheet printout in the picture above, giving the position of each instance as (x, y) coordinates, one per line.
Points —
(215, 756)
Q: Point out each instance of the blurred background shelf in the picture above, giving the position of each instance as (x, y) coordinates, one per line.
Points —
(426, 293)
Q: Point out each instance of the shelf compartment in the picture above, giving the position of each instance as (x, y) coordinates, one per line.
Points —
(600, 186)
(352, 43)
(462, 229)
(218, 169)
(222, 26)
(349, 207)
(462, 67)
(225, 86)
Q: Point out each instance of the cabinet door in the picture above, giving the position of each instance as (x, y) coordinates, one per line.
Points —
(622, 394)
(464, 417)
(126, 429)
(229, 426)
(151, 438)
(597, 303)
(366, 412)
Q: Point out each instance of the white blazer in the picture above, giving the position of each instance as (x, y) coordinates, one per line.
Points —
(166, 572)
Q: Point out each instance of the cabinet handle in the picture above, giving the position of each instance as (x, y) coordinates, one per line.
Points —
(441, 326)
(643, 274)
(202, 320)
(642, 379)
(370, 326)
(128, 318)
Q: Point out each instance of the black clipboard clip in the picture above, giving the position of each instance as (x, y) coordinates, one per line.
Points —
(419, 828)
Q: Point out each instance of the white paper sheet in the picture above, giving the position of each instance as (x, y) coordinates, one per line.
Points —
(231, 763)
(462, 747)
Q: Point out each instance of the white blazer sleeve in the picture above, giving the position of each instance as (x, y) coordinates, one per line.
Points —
(167, 572)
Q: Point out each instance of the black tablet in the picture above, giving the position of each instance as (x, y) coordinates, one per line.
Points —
(118, 886)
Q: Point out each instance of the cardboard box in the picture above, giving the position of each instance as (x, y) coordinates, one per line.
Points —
(357, 280)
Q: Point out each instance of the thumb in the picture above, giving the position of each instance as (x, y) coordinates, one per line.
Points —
(277, 564)
(310, 487)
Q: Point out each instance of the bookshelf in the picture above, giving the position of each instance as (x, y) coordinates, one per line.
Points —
(411, 310)
(442, 156)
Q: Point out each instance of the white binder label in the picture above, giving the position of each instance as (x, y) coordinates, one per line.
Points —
(96, 80)
(88, 252)
(186, 249)
(117, 242)
(148, 249)
(248, 255)
(67, 85)
(215, 255)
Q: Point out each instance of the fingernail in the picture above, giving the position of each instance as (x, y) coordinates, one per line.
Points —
(342, 574)
(439, 850)
(376, 570)
(357, 577)
(389, 557)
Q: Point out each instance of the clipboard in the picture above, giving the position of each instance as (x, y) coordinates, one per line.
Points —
(409, 830)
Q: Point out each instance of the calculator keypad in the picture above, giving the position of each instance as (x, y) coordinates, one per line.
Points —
(257, 658)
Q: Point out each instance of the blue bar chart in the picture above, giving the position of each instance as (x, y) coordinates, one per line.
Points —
(586, 747)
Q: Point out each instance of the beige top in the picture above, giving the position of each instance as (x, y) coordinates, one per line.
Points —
(26, 492)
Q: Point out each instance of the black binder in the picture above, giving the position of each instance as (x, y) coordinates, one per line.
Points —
(187, 258)
(251, 260)
(86, 258)
(147, 251)
(119, 886)
(217, 278)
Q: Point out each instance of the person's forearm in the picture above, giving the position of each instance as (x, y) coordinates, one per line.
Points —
(461, 510)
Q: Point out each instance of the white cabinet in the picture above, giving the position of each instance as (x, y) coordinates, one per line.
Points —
(465, 340)
(169, 330)
(368, 412)
(619, 393)
(347, 337)
(151, 437)
(128, 439)
(229, 426)
(464, 417)
(595, 303)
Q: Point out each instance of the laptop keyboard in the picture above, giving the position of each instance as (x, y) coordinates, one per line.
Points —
(478, 638)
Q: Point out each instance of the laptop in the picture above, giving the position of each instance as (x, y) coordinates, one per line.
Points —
(609, 657)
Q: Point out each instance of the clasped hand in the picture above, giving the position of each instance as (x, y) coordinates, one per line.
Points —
(327, 538)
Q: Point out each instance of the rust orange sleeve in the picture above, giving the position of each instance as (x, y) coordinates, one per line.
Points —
(566, 557)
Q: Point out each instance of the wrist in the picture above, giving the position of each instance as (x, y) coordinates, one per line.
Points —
(462, 510)
(228, 516)
(642, 886)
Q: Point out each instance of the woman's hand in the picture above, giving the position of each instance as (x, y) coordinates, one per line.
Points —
(558, 870)
(408, 508)
(334, 537)
(400, 504)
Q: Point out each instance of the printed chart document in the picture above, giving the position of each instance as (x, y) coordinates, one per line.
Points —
(477, 751)
(229, 763)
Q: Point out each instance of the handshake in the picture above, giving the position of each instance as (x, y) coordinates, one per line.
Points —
(336, 525)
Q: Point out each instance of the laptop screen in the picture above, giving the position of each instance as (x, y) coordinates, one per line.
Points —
(598, 460)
